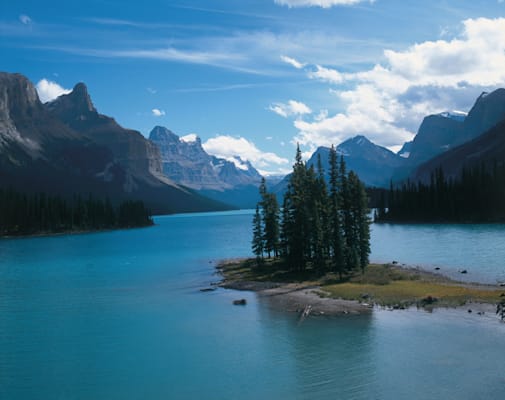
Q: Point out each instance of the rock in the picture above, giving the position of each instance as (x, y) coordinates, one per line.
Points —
(463, 271)
(437, 268)
(428, 300)
(365, 296)
(211, 289)
(241, 302)
(469, 311)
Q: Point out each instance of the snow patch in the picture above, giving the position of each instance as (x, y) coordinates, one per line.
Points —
(455, 114)
(191, 138)
(405, 154)
(239, 163)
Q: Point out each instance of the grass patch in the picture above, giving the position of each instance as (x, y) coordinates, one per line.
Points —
(385, 285)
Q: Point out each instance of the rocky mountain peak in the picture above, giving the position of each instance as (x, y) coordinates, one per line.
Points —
(17, 95)
(77, 103)
(162, 133)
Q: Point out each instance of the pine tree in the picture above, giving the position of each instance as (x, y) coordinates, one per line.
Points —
(337, 245)
(257, 241)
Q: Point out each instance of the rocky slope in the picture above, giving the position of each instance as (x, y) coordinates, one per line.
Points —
(184, 161)
(67, 147)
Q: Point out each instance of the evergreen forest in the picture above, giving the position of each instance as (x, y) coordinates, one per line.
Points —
(477, 196)
(28, 214)
(322, 226)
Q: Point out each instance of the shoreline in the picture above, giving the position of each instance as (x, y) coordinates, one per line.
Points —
(321, 298)
(70, 232)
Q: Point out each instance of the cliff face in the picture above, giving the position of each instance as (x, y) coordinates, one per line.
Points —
(437, 134)
(488, 111)
(139, 157)
(187, 163)
(66, 147)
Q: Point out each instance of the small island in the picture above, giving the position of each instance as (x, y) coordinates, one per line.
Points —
(313, 256)
(389, 286)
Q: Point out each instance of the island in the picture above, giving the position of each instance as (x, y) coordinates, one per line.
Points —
(389, 286)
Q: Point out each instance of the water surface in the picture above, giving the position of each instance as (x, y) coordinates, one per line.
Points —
(119, 315)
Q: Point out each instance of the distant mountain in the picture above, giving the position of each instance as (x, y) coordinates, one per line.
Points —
(66, 147)
(437, 133)
(405, 150)
(445, 131)
(485, 151)
(233, 181)
(372, 163)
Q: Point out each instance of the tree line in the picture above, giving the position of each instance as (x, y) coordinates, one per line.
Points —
(26, 214)
(478, 195)
(322, 226)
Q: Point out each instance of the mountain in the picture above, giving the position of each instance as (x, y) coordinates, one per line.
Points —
(405, 150)
(437, 134)
(372, 163)
(445, 131)
(233, 181)
(485, 151)
(66, 147)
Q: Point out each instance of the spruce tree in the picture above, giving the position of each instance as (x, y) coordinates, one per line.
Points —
(257, 241)
(337, 245)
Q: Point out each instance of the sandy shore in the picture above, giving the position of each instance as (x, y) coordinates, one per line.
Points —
(294, 297)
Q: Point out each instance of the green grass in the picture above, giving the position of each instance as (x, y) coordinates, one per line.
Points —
(386, 285)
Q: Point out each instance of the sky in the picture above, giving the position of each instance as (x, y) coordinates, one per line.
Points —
(254, 78)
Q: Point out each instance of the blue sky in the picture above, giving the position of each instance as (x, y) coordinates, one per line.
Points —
(253, 78)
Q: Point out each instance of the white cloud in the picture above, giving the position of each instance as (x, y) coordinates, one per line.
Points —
(25, 19)
(327, 75)
(151, 90)
(319, 3)
(192, 137)
(295, 63)
(49, 90)
(388, 101)
(229, 147)
(293, 107)
(157, 112)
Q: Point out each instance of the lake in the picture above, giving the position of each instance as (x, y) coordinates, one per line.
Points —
(120, 315)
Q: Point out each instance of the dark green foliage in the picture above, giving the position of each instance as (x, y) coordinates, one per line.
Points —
(22, 214)
(500, 307)
(322, 228)
(477, 196)
(257, 241)
(266, 224)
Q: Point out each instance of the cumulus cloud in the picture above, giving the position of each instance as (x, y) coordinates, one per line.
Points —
(292, 107)
(49, 90)
(157, 112)
(388, 101)
(319, 3)
(229, 147)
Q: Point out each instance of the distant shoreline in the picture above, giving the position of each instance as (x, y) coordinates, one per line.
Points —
(70, 232)
(384, 286)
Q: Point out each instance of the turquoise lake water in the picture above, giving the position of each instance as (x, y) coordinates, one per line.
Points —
(119, 315)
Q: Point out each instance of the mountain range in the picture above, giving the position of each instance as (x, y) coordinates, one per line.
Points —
(233, 181)
(475, 139)
(66, 147)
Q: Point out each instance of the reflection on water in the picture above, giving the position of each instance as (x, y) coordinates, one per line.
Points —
(119, 315)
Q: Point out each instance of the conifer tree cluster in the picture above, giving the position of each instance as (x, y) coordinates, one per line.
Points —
(477, 196)
(25, 214)
(324, 226)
